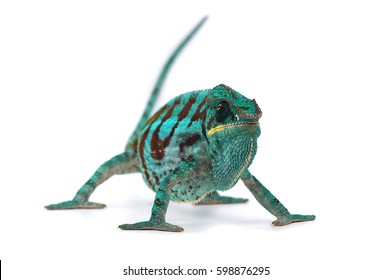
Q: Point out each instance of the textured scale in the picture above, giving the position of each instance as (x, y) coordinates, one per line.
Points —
(197, 144)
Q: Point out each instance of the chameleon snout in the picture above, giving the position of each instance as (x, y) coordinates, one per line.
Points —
(258, 111)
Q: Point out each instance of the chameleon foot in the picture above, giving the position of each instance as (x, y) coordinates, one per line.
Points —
(71, 204)
(151, 226)
(293, 219)
(215, 198)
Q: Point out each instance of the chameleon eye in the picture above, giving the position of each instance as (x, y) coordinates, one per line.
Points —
(222, 111)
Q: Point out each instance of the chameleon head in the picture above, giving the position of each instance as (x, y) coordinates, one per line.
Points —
(232, 130)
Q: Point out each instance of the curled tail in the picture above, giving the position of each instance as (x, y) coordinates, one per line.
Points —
(159, 83)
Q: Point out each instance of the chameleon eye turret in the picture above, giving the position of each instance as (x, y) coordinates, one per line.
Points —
(222, 111)
(199, 143)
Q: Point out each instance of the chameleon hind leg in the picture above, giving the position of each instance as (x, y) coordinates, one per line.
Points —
(271, 203)
(216, 198)
(120, 164)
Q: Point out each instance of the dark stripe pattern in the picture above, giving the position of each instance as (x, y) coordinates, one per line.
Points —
(186, 112)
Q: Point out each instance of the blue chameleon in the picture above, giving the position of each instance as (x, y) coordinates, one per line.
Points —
(199, 143)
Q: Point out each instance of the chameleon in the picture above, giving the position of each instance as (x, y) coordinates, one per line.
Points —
(198, 144)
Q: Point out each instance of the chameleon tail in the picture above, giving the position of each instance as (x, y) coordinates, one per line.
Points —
(159, 83)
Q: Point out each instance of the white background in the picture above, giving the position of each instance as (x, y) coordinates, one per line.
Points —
(76, 75)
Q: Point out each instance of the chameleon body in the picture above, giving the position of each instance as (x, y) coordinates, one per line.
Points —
(197, 144)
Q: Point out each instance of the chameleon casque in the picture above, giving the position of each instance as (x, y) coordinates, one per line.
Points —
(197, 144)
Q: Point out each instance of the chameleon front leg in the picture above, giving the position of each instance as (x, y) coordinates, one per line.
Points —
(271, 203)
(158, 215)
(120, 164)
(157, 220)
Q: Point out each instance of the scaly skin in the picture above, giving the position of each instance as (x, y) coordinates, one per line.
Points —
(197, 144)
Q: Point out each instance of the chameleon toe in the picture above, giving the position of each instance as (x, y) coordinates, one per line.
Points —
(151, 226)
(71, 204)
(302, 218)
(293, 219)
(222, 200)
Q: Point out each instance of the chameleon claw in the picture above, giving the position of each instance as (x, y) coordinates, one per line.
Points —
(151, 226)
(71, 204)
(293, 219)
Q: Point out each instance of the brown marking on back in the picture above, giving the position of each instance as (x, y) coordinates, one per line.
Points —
(186, 109)
(134, 143)
(155, 116)
(141, 154)
(198, 115)
(158, 146)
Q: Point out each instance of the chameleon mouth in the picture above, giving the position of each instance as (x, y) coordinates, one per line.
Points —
(231, 125)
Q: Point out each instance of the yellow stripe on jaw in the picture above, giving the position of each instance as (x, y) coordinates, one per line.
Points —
(224, 126)
(215, 129)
